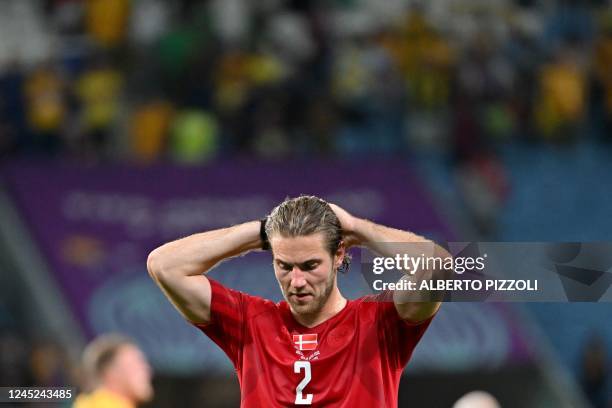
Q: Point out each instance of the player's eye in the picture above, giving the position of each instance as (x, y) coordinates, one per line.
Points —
(309, 266)
(285, 267)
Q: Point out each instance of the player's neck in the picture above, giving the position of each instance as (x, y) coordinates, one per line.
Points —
(334, 305)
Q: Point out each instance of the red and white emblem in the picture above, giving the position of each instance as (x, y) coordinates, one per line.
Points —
(305, 341)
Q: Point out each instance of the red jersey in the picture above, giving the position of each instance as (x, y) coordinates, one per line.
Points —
(353, 359)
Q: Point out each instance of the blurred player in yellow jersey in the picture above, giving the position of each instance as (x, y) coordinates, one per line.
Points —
(118, 372)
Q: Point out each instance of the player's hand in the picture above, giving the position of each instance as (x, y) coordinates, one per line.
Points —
(348, 224)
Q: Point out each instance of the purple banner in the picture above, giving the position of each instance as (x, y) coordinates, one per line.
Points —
(96, 225)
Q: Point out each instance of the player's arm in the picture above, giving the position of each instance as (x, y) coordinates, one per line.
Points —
(179, 267)
(381, 239)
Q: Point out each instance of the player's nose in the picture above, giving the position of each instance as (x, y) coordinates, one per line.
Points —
(297, 278)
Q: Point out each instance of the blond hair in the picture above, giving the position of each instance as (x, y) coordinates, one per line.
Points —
(307, 215)
(100, 354)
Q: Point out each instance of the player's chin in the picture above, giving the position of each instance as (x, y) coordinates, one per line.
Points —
(302, 304)
(303, 309)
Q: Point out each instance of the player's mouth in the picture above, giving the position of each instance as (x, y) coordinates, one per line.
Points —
(301, 297)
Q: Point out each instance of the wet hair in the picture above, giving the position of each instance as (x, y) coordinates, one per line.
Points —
(307, 215)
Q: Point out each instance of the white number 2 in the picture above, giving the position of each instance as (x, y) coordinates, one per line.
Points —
(299, 397)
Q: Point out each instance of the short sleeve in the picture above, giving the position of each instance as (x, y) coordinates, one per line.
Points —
(398, 337)
(227, 320)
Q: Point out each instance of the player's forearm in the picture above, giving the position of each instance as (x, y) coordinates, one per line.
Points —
(198, 253)
(376, 237)
(414, 306)
(390, 242)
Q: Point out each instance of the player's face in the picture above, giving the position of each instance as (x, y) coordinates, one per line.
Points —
(305, 270)
(132, 369)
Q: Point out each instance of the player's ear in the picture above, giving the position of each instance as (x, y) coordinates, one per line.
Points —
(340, 254)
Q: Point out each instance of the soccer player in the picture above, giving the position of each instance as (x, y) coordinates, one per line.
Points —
(317, 347)
(118, 372)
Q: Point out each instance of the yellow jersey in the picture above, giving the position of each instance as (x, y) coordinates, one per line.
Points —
(102, 398)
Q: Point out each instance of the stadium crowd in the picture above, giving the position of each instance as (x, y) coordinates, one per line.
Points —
(190, 81)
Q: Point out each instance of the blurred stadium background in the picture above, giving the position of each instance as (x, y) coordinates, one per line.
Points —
(124, 124)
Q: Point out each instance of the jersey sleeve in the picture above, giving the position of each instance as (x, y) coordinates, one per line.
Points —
(226, 328)
(398, 337)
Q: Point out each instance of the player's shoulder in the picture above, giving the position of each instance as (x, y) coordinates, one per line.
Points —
(364, 307)
(377, 306)
(258, 304)
(248, 302)
(373, 300)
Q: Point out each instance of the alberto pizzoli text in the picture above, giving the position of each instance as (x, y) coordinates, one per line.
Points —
(460, 285)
